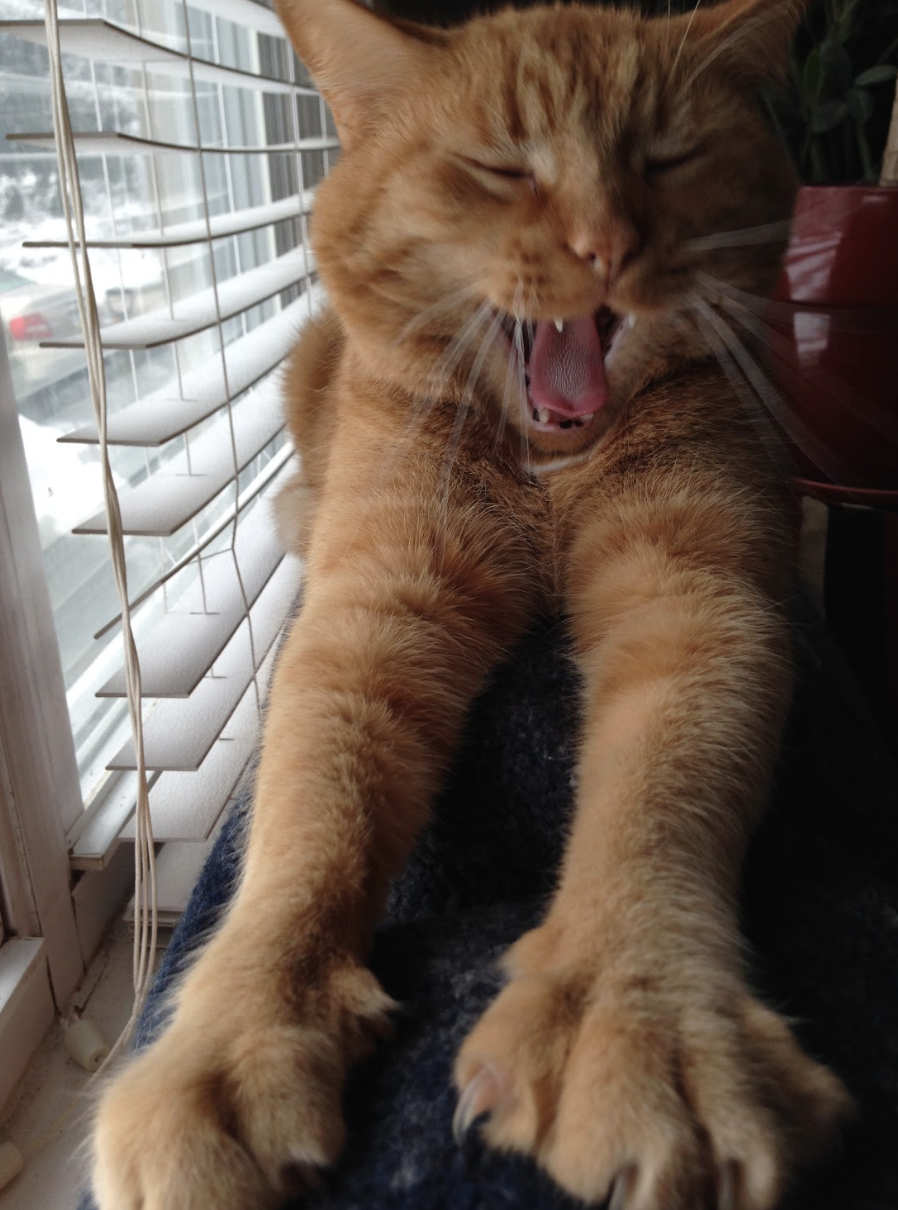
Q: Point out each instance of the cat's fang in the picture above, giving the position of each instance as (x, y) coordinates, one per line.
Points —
(543, 415)
(631, 321)
(559, 325)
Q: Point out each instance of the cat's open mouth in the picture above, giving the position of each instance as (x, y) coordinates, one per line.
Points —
(563, 366)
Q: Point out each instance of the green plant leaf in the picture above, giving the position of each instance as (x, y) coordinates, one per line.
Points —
(845, 19)
(860, 104)
(811, 77)
(828, 115)
(877, 75)
(837, 70)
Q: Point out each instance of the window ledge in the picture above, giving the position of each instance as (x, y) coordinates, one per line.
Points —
(26, 1007)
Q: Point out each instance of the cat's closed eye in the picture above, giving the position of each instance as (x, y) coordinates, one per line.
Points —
(659, 166)
(500, 171)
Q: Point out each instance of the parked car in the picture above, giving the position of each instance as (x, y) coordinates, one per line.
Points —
(32, 313)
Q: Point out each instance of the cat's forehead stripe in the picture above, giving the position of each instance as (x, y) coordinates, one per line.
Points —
(571, 80)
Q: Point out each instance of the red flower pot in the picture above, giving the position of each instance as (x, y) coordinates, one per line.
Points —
(835, 342)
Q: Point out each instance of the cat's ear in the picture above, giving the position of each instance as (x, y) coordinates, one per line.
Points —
(358, 60)
(752, 38)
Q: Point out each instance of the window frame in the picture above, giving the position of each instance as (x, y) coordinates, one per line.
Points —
(53, 920)
(55, 912)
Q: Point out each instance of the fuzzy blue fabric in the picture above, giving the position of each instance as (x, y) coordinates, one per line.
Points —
(820, 909)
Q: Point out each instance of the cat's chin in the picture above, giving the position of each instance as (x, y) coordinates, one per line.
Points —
(552, 441)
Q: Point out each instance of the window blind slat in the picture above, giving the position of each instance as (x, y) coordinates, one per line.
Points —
(208, 790)
(185, 806)
(198, 311)
(285, 457)
(198, 663)
(96, 838)
(179, 734)
(165, 501)
(188, 639)
(235, 222)
(102, 40)
(164, 415)
(178, 867)
(250, 13)
(114, 142)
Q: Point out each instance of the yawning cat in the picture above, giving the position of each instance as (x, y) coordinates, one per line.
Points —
(524, 398)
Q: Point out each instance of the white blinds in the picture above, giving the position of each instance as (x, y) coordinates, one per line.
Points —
(208, 141)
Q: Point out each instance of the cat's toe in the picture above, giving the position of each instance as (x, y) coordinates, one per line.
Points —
(235, 1110)
(194, 1129)
(664, 1099)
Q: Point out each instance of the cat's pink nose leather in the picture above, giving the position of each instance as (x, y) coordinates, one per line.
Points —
(606, 251)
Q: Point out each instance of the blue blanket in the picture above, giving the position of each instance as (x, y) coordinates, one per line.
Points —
(820, 909)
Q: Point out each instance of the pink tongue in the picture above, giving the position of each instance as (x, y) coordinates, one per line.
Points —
(567, 370)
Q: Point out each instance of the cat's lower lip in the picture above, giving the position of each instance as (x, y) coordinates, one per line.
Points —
(548, 421)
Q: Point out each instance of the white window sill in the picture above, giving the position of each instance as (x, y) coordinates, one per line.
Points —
(54, 1177)
(26, 1006)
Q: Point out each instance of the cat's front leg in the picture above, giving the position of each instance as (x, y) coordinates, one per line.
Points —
(239, 1100)
(626, 1052)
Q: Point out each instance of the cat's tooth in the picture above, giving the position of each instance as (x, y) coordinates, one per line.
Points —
(544, 415)
(586, 419)
(631, 321)
(559, 324)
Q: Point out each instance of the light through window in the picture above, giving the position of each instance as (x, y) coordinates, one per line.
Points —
(190, 323)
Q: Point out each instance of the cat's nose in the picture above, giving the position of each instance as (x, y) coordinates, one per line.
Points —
(606, 251)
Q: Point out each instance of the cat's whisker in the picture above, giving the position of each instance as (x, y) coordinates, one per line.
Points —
(516, 364)
(685, 38)
(715, 287)
(451, 301)
(485, 345)
(768, 435)
(462, 411)
(753, 312)
(764, 233)
(826, 382)
(745, 28)
(533, 311)
(520, 362)
(461, 415)
(506, 403)
(517, 302)
(768, 395)
(444, 367)
(455, 350)
(424, 405)
(440, 376)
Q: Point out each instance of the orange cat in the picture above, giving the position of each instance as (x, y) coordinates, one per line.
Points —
(515, 407)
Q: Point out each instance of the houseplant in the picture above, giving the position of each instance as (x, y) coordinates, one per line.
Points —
(835, 318)
(834, 321)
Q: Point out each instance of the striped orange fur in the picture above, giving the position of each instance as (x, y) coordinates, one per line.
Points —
(550, 165)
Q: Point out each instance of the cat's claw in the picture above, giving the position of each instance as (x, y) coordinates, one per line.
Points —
(726, 1186)
(477, 1098)
(624, 1184)
(620, 1189)
(300, 1177)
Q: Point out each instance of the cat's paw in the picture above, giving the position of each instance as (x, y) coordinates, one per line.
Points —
(231, 1113)
(651, 1095)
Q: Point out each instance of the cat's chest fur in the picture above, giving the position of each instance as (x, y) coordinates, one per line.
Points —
(478, 486)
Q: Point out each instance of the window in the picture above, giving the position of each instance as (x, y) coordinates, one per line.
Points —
(199, 143)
